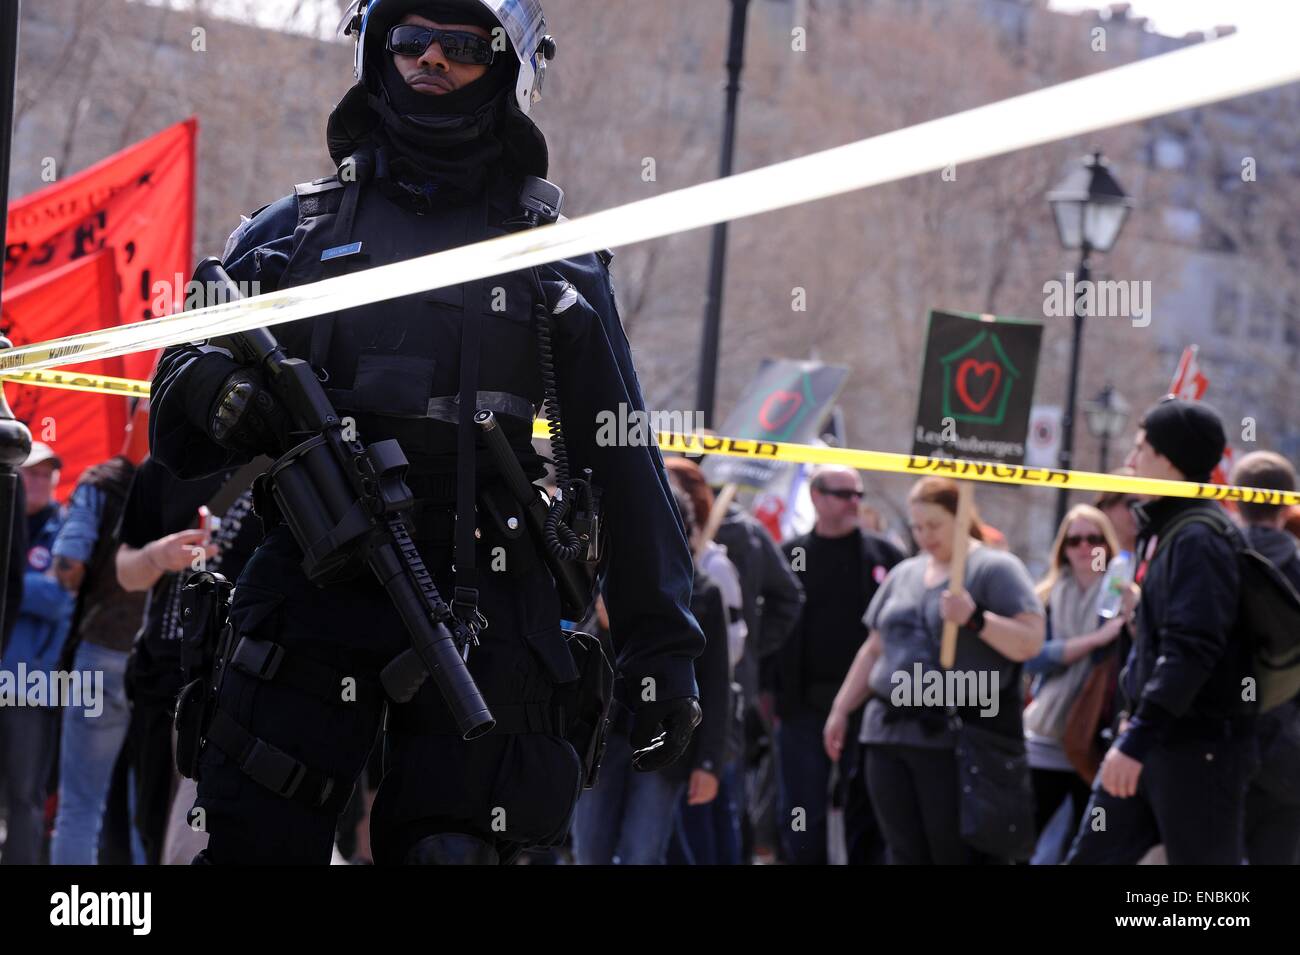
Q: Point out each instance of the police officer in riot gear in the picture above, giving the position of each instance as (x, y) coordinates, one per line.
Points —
(434, 149)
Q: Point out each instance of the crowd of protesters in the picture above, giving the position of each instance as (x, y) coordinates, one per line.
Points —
(1104, 694)
(1095, 715)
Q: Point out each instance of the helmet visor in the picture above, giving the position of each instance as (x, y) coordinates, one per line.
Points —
(523, 23)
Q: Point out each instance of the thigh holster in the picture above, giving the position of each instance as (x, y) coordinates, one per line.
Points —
(206, 635)
(264, 762)
(586, 702)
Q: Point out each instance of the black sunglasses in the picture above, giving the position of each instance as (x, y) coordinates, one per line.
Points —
(843, 495)
(1074, 540)
(410, 39)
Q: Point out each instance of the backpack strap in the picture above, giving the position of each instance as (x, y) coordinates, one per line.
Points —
(1211, 518)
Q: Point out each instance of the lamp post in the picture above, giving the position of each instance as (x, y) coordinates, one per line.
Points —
(708, 381)
(1090, 210)
(1107, 416)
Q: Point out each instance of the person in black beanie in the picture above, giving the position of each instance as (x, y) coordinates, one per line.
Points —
(1178, 770)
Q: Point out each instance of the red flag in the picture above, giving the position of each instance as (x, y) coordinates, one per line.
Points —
(139, 204)
(1189, 382)
(82, 296)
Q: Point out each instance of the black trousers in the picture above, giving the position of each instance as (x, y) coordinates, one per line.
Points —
(1191, 797)
(115, 833)
(1272, 828)
(1051, 787)
(914, 792)
(148, 748)
(864, 843)
(514, 791)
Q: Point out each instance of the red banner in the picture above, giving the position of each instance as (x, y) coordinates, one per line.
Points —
(81, 296)
(137, 204)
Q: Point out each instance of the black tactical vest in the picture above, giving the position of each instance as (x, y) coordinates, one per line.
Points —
(394, 365)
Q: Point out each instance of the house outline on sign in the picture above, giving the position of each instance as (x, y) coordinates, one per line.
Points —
(1009, 376)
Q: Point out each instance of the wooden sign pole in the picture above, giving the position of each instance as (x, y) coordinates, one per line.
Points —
(720, 505)
(957, 567)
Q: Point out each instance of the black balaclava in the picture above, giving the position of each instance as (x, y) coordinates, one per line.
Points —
(441, 147)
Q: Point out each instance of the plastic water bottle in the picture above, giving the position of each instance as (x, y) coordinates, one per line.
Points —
(1119, 574)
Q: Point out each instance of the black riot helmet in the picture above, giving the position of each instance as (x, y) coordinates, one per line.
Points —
(518, 28)
(443, 137)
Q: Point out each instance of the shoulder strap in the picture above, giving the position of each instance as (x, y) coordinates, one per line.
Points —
(1215, 519)
(331, 195)
(465, 604)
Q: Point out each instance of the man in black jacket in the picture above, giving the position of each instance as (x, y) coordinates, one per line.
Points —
(1178, 771)
(840, 566)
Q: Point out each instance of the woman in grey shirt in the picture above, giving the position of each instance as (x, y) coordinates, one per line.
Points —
(908, 726)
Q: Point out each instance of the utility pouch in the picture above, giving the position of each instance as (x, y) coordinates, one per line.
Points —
(206, 637)
(585, 702)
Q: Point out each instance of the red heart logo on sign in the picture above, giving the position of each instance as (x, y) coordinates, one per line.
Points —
(779, 409)
(980, 370)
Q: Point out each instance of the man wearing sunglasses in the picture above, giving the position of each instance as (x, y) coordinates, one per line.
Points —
(434, 149)
(841, 565)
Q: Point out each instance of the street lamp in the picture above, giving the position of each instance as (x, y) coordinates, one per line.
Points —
(1090, 210)
(1107, 417)
(712, 335)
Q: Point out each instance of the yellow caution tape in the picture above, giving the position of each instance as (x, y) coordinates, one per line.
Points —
(886, 461)
(920, 466)
(75, 381)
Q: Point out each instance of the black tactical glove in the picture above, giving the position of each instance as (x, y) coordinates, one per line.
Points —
(247, 418)
(661, 731)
